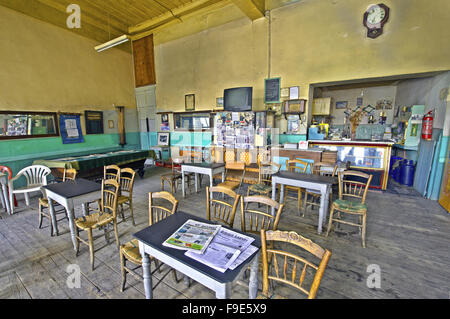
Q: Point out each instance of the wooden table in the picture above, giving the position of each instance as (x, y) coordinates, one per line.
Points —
(209, 169)
(70, 194)
(150, 244)
(315, 182)
(4, 194)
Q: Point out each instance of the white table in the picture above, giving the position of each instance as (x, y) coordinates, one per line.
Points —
(4, 194)
(315, 182)
(209, 169)
(150, 244)
(71, 194)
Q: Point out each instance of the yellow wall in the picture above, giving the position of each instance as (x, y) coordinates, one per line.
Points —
(46, 68)
(313, 41)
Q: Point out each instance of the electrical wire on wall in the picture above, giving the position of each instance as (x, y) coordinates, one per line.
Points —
(269, 58)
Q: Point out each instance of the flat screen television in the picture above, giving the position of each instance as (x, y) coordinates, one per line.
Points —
(238, 99)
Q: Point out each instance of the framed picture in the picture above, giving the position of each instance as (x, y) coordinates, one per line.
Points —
(272, 90)
(163, 139)
(341, 105)
(189, 102)
(110, 123)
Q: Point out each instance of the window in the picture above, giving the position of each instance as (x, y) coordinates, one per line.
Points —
(192, 121)
(15, 125)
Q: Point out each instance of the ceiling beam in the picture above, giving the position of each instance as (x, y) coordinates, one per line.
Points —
(176, 13)
(254, 9)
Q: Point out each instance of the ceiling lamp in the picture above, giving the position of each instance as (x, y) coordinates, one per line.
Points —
(114, 42)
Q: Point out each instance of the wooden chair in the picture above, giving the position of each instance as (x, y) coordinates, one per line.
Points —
(220, 210)
(285, 266)
(36, 177)
(127, 176)
(130, 250)
(264, 186)
(111, 172)
(234, 175)
(106, 215)
(253, 220)
(315, 201)
(297, 166)
(356, 188)
(171, 178)
(69, 174)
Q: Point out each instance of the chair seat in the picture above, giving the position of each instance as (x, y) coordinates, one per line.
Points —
(251, 177)
(122, 199)
(230, 184)
(348, 205)
(131, 252)
(260, 188)
(171, 176)
(28, 189)
(94, 220)
(235, 176)
(43, 202)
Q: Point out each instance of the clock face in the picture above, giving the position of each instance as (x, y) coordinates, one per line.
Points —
(375, 15)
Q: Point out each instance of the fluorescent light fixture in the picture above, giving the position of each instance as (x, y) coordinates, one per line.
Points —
(114, 42)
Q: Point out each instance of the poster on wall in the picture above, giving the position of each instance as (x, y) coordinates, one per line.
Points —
(70, 127)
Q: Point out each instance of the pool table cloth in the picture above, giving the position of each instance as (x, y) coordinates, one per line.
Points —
(89, 162)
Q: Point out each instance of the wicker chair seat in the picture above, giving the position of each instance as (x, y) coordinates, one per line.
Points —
(230, 184)
(93, 221)
(260, 188)
(131, 252)
(349, 206)
(122, 199)
(251, 177)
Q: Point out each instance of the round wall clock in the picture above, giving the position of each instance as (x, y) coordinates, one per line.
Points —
(374, 19)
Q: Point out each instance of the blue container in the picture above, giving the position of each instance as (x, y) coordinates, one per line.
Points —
(394, 159)
(407, 173)
(396, 174)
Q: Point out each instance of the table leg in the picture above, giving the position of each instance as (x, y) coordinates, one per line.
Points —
(223, 176)
(146, 268)
(196, 182)
(253, 284)
(85, 209)
(4, 198)
(210, 183)
(71, 215)
(225, 292)
(5, 193)
(323, 207)
(182, 184)
(274, 196)
(51, 210)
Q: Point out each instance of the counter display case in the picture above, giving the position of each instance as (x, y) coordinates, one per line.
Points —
(369, 157)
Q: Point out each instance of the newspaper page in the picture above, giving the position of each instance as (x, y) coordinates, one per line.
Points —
(243, 256)
(193, 236)
(223, 250)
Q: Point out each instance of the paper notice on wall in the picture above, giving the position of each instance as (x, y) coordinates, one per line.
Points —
(71, 128)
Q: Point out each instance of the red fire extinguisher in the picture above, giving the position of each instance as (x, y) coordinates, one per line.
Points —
(427, 126)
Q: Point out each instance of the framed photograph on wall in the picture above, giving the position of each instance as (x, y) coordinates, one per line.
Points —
(341, 105)
(189, 102)
(163, 139)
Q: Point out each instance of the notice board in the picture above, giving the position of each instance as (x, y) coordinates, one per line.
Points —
(272, 90)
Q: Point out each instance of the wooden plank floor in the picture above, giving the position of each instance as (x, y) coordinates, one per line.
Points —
(407, 237)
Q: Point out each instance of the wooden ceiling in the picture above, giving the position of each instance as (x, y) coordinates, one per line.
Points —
(103, 20)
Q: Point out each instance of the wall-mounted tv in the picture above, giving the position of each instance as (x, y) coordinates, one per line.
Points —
(238, 99)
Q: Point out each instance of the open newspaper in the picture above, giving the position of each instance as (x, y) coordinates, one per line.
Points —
(224, 250)
(193, 236)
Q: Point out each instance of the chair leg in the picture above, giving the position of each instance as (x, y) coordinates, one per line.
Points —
(364, 217)
(162, 184)
(106, 233)
(131, 212)
(299, 201)
(40, 216)
(11, 202)
(27, 199)
(77, 240)
(305, 204)
(330, 222)
(124, 272)
(116, 233)
(91, 247)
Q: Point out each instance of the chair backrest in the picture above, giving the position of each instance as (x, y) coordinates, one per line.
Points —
(246, 157)
(253, 220)
(127, 176)
(263, 156)
(297, 166)
(35, 174)
(112, 172)
(285, 266)
(70, 174)
(110, 195)
(219, 209)
(266, 170)
(157, 213)
(8, 170)
(356, 186)
(322, 169)
(235, 165)
(230, 156)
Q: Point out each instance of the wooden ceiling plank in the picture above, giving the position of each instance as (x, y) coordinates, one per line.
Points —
(126, 17)
(254, 9)
(179, 11)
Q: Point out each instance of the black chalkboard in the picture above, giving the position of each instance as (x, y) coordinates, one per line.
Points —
(272, 90)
